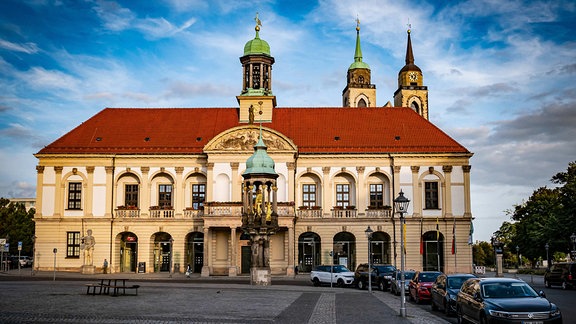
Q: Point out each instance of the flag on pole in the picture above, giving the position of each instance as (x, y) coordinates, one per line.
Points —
(470, 235)
(454, 238)
(421, 239)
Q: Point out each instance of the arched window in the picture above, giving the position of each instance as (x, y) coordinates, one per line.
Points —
(362, 103)
(414, 105)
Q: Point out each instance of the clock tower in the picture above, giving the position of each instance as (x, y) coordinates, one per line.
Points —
(359, 92)
(411, 89)
(256, 99)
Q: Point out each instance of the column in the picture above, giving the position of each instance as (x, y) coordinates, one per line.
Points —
(209, 181)
(90, 192)
(39, 190)
(179, 198)
(326, 192)
(232, 268)
(60, 189)
(447, 194)
(467, 210)
(207, 257)
(109, 190)
(291, 181)
(361, 191)
(416, 192)
(145, 191)
(235, 184)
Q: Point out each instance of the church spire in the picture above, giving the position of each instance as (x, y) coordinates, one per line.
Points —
(359, 92)
(409, 53)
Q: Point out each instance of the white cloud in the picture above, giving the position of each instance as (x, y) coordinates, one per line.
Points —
(28, 48)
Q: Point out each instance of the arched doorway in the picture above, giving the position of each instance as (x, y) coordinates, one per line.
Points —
(309, 248)
(162, 251)
(128, 252)
(433, 257)
(344, 250)
(195, 251)
(381, 248)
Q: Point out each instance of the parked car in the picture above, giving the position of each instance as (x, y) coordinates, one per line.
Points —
(25, 261)
(381, 275)
(504, 300)
(445, 290)
(561, 274)
(338, 275)
(395, 283)
(421, 284)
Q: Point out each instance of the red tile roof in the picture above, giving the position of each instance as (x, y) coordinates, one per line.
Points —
(313, 130)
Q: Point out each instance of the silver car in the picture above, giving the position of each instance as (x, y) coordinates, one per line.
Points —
(395, 282)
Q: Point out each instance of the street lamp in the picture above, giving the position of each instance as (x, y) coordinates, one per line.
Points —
(547, 246)
(401, 206)
(517, 256)
(369, 232)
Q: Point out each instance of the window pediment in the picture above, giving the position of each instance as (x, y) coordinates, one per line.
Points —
(245, 137)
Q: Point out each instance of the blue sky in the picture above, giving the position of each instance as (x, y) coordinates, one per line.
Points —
(500, 73)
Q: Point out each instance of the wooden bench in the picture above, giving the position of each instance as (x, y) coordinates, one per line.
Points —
(116, 289)
(102, 288)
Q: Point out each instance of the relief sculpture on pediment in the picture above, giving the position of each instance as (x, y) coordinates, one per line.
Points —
(245, 139)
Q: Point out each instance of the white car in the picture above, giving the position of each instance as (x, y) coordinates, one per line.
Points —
(25, 261)
(338, 275)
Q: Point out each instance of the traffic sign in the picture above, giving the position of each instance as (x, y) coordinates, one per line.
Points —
(6, 247)
(2, 241)
(19, 246)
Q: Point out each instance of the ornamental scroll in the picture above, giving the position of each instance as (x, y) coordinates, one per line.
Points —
(245, 139)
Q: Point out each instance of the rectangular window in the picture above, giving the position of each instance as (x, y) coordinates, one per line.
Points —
(75, 195)
(165, 195)
(431, 195)
(376, 195)
(198, 195)
(309, 195)
(342, 195)
(72, 244)
(131, 195)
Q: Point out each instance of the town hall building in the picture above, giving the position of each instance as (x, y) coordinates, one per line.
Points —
(162, 188)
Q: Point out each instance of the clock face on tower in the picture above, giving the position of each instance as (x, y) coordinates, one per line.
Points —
(413, 76)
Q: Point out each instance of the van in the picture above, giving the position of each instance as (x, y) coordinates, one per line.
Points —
(561, 274)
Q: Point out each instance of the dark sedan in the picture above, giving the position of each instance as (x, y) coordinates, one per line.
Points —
(504, 300)
(445, 290)
(421, 284)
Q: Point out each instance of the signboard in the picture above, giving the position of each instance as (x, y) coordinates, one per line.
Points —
(2, 241)
(19, 246)
(6, 247)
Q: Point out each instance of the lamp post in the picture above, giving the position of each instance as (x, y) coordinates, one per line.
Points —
(547, 246)
(170, 264)
(369, 232)
(401, 206)
(517, 256)
(573, 252)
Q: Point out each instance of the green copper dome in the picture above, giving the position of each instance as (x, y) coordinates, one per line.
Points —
(257, 46)
(260, 162)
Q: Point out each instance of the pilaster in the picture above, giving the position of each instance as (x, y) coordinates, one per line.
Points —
(90, 192)
(60, 188)
(39, 190)
(109, 187)
(179, 194)
(416, 192)
(447, 194)
(145, 191)
(467, 205)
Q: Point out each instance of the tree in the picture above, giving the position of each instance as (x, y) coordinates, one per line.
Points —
(16, 225)
(547, 217)
(483, 254)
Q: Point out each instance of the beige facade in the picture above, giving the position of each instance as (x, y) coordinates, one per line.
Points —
(156, 206)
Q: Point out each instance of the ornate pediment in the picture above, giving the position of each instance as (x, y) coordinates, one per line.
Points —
(244, 138)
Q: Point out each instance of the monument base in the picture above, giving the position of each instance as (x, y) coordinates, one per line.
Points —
(88, 269)
(232, 272)
(260, 277)
(205, 271)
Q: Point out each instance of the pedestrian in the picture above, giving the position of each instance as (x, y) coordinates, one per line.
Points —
(105, 267)
(188, 270)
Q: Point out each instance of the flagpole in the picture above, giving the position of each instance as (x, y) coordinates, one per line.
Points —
(454, 245)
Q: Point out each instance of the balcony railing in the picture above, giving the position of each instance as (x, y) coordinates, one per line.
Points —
(314, 212)
(344, 212)
(379, 213)
(162, 213)
(127, 213)
(193, 213)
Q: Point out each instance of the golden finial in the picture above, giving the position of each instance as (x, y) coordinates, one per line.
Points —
(258, 22)
(357, 23)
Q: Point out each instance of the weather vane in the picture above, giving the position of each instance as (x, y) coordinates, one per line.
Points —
(257, 20)
(409, 25)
